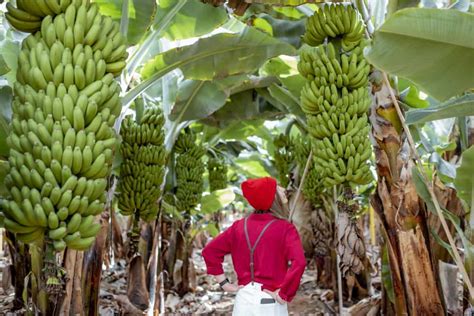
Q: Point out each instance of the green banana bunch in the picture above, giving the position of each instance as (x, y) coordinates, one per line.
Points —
(76, 48)
(335, 21)
(312, 186)
(65, 105)
(143, 167)
(217, 173)
(189, 171)
(326, 68)
(301, 150)
(283, 158)
(28, 14)
(335, 97)
(184, 143)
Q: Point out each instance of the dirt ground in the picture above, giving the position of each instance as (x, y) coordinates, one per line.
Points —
(208, 299)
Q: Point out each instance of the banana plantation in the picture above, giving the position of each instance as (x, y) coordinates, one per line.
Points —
(128, 126)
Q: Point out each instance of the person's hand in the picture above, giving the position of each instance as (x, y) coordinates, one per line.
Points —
(275, 296)
(231, 287)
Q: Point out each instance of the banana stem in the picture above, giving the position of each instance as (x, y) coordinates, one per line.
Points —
(212, 151)
(289, 126)
(363, 7)
(36, 252)
(298, 192)
(154, 264)
(373, 240)
(134, 234)
(338, 271)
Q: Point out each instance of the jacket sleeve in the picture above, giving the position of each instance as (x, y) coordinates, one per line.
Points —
(294, 253)
(215, 251)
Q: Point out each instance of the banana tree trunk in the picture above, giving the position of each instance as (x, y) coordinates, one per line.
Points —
(92, 268)
(402, 214)
(155, 264)
(325, 254)
(21, 265)
(170, 247)
(469, 228)
(137, 291)
(184, 287)
(182, 283)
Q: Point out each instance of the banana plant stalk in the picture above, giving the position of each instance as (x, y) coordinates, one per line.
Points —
(300, 187)
(338, 259)
(92, 266)
(457, 257)
(39, 297)
(401, 212)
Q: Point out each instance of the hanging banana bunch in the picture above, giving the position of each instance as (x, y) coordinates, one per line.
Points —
(335, 21)
(65, 104)
(189, 172)
(312, 187)
(28, 15)
(217, 174)
(283, 158)
(143, 166)
(335, 97)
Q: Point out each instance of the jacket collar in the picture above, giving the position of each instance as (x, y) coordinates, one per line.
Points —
(262, 216)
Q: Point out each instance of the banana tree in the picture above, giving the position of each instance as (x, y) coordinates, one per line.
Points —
(405, 217)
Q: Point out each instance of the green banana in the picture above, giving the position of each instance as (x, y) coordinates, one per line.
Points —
(142, 148)
(335, 97)
(65, 102)
(82, 243)
(58, 233)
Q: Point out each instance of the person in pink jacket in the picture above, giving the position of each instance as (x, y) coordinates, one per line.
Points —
(266, 251)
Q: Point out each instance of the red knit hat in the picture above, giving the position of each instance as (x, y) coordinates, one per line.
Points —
(260, 193)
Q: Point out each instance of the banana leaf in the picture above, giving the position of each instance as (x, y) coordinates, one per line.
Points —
(431, 47)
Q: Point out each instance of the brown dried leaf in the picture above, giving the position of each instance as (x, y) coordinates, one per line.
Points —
(137, 291)
(350, 247)
(302, 212)
(322, 232)
(239, 6)
(117, 239)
